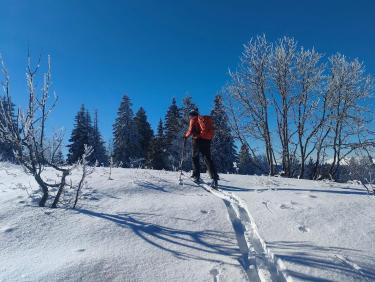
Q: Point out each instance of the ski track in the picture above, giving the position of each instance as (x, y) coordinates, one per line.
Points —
(351, 264)
(259, 263)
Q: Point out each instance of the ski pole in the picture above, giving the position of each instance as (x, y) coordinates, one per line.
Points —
(181, 161)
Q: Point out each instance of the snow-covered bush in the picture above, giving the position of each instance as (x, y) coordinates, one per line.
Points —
(27, 133)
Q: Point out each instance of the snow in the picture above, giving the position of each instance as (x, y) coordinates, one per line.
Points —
(314, 231)
(143, 226)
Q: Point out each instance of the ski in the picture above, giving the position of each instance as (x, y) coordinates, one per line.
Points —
(207, 186)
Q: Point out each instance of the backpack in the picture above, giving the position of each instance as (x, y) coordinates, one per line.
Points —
(207, 127)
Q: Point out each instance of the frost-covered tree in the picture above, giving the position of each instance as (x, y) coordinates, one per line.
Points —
(322, 110)
(245, 161)
(145, 133)
(27, 134)
(81, 135)
(99, 153)
(223, 147)
(187, 106)
(361, 169)
(125, 135)
(173, 137)
(59, 157)
(310, 106)
(351, 110)
(283, 76)
(7, 109)
(157, 158)
(248, 98)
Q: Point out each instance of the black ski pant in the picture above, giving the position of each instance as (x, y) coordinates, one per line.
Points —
(203, 146)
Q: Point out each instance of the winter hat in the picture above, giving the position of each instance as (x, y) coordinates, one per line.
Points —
(193, 112)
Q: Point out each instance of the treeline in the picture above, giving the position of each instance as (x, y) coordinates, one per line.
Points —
(135, 144)
(300, 113)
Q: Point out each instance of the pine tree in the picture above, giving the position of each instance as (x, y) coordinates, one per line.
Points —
(187, 106)
(245, 161)
(145, 133)
(172, 122)
(173, 135)
(58, 158)
(223, 146)
(81, 135)
(125, 135)
(7, 108)
(157, 154)
(99, 152)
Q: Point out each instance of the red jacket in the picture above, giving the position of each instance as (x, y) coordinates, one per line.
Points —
(194, 128)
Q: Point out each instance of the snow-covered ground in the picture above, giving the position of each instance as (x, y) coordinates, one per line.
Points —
(143, 226)
(316, 231)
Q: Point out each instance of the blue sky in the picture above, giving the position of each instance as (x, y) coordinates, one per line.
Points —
(154, 50)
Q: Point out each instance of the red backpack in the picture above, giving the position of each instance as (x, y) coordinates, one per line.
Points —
(206, 124)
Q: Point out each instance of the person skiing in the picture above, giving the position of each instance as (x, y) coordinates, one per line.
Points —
(201, 129)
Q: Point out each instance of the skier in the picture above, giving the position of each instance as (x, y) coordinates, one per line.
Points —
(201, 129)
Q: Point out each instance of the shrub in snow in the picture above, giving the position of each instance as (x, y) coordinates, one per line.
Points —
(26, 131)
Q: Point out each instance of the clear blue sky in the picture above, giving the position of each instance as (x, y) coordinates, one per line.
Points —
(154, 50)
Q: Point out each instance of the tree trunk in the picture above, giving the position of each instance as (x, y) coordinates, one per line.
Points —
(59, 192)
(44, 188)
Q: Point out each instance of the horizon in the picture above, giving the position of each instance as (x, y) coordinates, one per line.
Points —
(101, 52)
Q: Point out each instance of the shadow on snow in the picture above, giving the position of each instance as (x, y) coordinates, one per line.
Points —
(182, 243)
(306, 254)
(338, 190)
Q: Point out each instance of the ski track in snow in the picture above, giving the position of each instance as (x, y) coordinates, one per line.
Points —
(348, 262)
(258, 262)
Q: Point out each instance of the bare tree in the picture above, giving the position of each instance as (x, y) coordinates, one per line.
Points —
(28, 132)
(350, 115)
(310, 107)
(322, 110)
(283, 75)
(248, 88)
(83, 165)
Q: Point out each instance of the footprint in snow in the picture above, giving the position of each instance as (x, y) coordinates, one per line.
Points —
(303, 228)
(215, 273)
(10, 229)
(207, 212)
(285, 207)
(313, 196)
(80, 250)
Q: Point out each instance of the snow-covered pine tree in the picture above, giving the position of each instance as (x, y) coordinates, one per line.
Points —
(187, 106)
(81, 135)
(125, 135)
(173, 135)
(145, 133)
(223, 147)
(7, 108)
(245, 161)
(59, 158)
(157, 154)
(99, 153)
